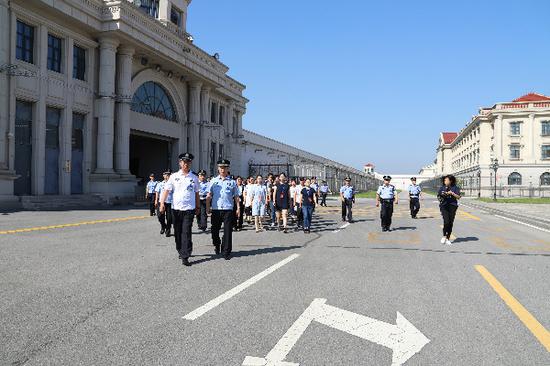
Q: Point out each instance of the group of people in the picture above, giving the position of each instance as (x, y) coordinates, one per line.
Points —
(183, 197)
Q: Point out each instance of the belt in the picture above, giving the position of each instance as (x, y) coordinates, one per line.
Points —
(387, 199)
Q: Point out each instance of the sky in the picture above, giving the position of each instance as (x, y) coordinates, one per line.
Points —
(361, 81)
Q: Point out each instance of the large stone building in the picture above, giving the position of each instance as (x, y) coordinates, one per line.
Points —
(514, 134)
(96, 94)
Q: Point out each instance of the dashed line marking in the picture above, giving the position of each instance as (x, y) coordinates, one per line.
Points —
(60, 226)
(538, 330)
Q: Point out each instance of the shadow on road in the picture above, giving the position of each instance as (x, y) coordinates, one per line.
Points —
(245, 253)
(404, 228)
(465, 239)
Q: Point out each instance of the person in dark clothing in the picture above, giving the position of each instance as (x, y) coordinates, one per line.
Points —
(281, 197)
(448, 196)
(239, 219)
(307, 204)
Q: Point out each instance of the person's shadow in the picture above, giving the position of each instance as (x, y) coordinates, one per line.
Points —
(465, 239)
(404, 228)
(244, 253)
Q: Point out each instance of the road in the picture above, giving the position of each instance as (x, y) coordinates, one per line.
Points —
(111, 291)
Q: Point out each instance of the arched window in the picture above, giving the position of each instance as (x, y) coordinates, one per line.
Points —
(514, 179)
(152, 99)
(545, 179)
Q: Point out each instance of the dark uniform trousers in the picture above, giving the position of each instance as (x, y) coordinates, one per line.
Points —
(347, 204)
(386, 212)
(202, 217)
(183, 222)
(448, 212)
(151, 200)
(238, 220)
(324, 199)
(415, 206)
(165, 218)
(227, 218)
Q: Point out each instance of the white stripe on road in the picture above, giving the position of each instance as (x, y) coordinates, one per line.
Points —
(236, 290)
(341, 227)
(523, 223)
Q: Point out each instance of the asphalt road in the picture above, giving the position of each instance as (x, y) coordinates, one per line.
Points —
(112, 291)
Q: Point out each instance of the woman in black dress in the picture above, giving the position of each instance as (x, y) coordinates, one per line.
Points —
(448, 196)
(281, 197)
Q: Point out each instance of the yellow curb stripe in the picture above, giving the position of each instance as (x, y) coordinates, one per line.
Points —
(525, 316)
(60, 226)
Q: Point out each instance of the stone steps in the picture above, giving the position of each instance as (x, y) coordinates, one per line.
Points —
(59, 202)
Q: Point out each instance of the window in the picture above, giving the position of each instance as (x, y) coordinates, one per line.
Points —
(514, 151)
(53, 116)
(545, 128)
(78, 131)
(152, 99)
(220, 152)
(176, 16)
(545, 179)
(212, 158)
(515, 128)
(545, 152)
(150, 7)
(79, 63)
(222, 114)
(514, 179)
(25, 42)
(54, 53)
(213, 112)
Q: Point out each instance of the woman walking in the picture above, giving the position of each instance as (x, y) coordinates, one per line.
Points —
(259, 201)
(448, 196)
(307, 204)
(281, 197)
(238, 224)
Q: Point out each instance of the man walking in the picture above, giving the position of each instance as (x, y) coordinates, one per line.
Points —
(386, 196)
(223, 195)
(184, 186)
(414, 197)
(165, 218)
(324, 191)
(150, 193)
(347, 196)
(202, 217)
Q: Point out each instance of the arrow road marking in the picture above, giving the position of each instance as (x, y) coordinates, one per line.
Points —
(403, 338)
(236, 290)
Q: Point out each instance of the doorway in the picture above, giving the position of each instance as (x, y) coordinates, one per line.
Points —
(23, 148)
(148, 155)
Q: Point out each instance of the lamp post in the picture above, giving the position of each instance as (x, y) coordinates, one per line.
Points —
(479, 183)
(494, 166)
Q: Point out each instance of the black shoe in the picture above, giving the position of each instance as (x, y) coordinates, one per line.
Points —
(217, 249)
(168, 233)
(388, 229)
(384, 229)
(161, 231)
(227, 257)
(180, 256)
(185, 262)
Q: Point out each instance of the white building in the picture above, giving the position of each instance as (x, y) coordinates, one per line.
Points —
(516, 134)
(97, 94)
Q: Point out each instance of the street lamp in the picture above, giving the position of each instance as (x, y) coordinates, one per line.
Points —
(494, 166)
(479, 183)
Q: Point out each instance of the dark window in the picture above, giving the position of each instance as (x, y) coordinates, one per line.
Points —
(23, 123)
(152, 99)
(220, 152)
(54, 53)
(545, 152)
(235, 127)
(514, 179)
(25, 42)
(222, 114)
(545, 179)
(213, 112)
(79, 63)
(545, 130)
(78, 131)
(150, 7)
(515, 151)
(212, 158)
(175, 16)
(53, 116)
(515, 128)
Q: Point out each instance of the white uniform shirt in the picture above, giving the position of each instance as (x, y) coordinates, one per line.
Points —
(298, 191)
(183, 188)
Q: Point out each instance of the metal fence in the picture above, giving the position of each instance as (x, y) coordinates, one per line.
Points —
(471, 188)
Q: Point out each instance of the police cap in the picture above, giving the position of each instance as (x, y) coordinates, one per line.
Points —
(347, 179)
(387, 177)
(168, 172)
(202, 172)
(413, 178)
(186, 157)
(223, 163)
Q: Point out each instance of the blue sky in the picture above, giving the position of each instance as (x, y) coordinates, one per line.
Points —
(375, 81)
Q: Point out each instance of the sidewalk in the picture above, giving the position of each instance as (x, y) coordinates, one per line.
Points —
(535, 214)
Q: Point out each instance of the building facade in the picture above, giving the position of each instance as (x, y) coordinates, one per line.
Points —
(95, 95)
(514, 134)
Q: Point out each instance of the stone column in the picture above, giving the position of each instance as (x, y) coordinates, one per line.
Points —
(204, 145)
(105, 104)
(66, 130)
(5, 25)
(228, 132)
(194, 118)
(529, 135)
(39, 127)
(122, 133)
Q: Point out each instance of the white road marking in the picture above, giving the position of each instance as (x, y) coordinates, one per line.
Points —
(195, 314)
(341, 227)
(403, 338)
(523, 223)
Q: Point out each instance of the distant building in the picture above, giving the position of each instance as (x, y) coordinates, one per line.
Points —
(516, 134)
(368, 169)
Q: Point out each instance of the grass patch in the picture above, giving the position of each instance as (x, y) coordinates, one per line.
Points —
(518, 200)
(368, 194)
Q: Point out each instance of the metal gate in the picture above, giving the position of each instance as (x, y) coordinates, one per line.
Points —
(265, 169)
(23, 148)
(51, 182)
(77, 154)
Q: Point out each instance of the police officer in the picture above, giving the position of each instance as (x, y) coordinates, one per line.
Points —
(202, 217)
(414, 197)
(347, 196)
(165, 218)
(150, 193)
(386, 196)
(223, 195)
(324, 190)
(185, 205)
